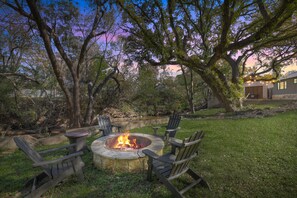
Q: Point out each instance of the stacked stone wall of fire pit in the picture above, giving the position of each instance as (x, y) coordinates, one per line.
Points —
(117, 160)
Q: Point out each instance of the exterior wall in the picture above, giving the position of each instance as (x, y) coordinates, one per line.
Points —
(285, 97)
(265, 86)
(289, 93)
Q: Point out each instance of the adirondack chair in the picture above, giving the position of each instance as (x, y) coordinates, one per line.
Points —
(172, 165)
(105, 125)
(171, 127)
(54, 171)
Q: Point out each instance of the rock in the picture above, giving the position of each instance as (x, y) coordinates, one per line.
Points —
(57, 139)
(259, 113)
(7, 143)
(116, 113)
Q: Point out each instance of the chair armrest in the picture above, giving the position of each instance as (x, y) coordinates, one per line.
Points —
(150, 154)
(56, 149)
(175, 142)
(170, 133)
(172, 130)
(119, 127)
(156, 128)
(163, 158)
(55, 161)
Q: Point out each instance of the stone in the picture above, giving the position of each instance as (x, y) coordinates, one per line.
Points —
(120, 160)
(56, 139)
(8, 144)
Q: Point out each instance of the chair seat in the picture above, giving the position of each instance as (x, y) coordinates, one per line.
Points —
(67, 168)
(162, 167)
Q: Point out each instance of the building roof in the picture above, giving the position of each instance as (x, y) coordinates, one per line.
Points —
(258, 83)
(290, 75)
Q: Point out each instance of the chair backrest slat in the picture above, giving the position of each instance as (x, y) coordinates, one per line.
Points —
(105, 124)
(186, 153)
(26, 148)
(174, 121)
(31, 153)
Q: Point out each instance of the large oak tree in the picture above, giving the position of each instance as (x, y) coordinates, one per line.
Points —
(213, 38)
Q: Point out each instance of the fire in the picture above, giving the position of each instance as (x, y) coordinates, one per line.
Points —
(125, 142)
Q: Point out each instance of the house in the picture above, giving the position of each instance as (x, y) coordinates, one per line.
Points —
(286, 87)
(257, 89)
(252, 90)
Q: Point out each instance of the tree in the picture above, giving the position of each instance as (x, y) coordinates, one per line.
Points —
(194, 88)
(23, 72)
(208, 37)
(67, 35)
(189, 85)
(171, 98)
(104, 62)
(147, 96)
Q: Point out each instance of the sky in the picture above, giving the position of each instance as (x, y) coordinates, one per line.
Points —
(174, 70)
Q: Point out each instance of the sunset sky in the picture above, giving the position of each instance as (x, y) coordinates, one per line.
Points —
(174, 70)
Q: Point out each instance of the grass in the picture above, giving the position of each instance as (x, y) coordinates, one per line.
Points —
(266, 104)
(248, 105)
(209, 112)
(239, 158)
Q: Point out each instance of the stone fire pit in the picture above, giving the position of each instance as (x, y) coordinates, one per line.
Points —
(130, 160)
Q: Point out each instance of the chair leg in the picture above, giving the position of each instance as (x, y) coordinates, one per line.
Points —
(166, 137)
(170, 187)
(77, 165)
(198, 177)
(149, 169)
(43, 188)
(80, 174)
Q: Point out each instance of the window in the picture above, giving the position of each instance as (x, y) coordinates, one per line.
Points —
(282, 85)
(295, 80)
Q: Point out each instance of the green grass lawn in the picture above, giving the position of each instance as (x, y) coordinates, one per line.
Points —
(209, 112)
(239, 158)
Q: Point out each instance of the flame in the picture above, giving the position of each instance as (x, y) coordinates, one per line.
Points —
(123, 142)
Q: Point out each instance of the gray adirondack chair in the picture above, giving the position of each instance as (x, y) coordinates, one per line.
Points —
(105, 125)
(171, 127)
(172, 165)
(54, 171)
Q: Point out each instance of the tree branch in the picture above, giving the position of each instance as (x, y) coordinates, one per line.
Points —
(284, 12)
(47, 42)
(20, 75)
(263, 10)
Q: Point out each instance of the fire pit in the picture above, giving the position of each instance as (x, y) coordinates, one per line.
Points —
(123, 152)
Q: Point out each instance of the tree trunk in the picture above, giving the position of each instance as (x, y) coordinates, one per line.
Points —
(228, 93)
(191, 94)
(189, 90)
(89, 111)
(76, 111)
(90, 106)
